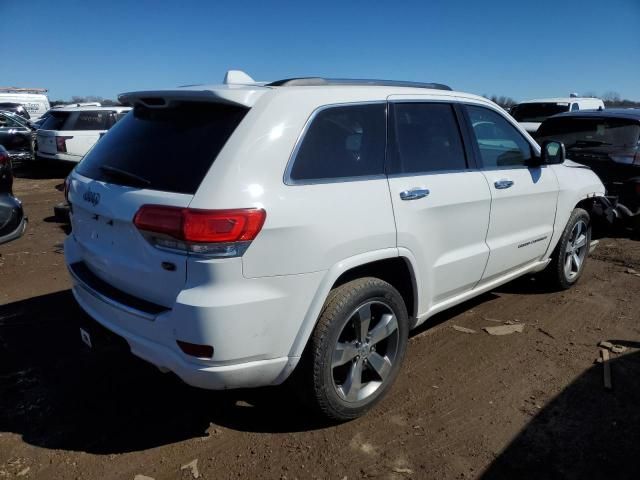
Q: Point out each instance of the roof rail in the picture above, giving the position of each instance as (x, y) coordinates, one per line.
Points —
(319, 81)
(22, 90)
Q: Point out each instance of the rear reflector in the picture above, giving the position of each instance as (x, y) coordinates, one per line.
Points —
(195, 350)
(225, 233)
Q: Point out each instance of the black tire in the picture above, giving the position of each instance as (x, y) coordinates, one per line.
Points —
(556, 273)
(340, 317)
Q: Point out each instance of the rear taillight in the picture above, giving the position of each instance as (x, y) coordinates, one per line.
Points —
(219, 233)
(4, 159)
(61, 144)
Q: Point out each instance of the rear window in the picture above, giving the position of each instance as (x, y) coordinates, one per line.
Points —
(55, 121)
(577, 132)
(168, 149)
(537, 112)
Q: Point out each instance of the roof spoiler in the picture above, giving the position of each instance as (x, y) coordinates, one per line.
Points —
(168, 98)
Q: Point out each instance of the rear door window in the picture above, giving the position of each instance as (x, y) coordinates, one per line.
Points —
(168, 149)
(342, 142)
(425, 138)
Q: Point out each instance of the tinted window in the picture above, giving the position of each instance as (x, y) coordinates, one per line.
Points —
(55, 121)
(537, 112)
(8, 122)
(500, 144)
(426, 138)
(585, 132)
(89, 120)
(171, 148)
(342, 142)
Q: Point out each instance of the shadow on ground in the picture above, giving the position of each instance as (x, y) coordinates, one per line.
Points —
(42, 170)
(585, 432)
(57, 395)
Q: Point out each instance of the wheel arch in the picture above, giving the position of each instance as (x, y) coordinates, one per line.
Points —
(388, 265)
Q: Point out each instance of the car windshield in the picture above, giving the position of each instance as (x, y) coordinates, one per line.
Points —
(589, 132)
(537, 112)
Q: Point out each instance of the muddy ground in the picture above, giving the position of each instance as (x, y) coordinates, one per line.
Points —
(526, 405)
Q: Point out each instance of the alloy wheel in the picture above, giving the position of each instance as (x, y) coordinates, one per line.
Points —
(364, 355)
(576, 250)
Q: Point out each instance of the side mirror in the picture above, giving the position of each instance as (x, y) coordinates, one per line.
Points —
(553, 153)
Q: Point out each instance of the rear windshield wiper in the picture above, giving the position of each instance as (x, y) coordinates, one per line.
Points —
(587, 143)
(123, 174)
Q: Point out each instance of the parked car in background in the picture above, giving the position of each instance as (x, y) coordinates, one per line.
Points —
(608, 142)
(17, 136)
(34, 100)
(16, 108)
(68, 133)
(12, 220)
(232, 233)
(532, 113)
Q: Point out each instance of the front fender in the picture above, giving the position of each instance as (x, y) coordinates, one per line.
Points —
(577, 183)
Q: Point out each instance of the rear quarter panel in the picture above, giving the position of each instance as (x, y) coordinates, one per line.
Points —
(308, 227)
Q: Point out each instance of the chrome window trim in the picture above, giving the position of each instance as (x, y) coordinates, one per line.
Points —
(323, 181)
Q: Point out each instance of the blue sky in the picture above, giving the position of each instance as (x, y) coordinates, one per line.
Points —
(519, 48)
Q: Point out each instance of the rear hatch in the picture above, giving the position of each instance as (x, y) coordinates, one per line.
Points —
(46, 135)
(152, 156)
(77, 131)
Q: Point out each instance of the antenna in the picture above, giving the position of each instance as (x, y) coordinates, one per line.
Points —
(237, 77)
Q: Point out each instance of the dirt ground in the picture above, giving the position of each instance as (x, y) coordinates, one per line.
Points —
(526, 405)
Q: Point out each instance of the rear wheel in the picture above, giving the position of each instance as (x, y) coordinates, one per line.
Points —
(570, 255)
(356, 349)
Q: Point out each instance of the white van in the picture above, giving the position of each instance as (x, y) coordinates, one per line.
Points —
(35, 100)
(532, 113)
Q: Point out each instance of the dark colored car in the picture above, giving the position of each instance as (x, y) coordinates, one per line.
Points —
(16, 108)
(12, 220)
(17, 136)
(608, 142)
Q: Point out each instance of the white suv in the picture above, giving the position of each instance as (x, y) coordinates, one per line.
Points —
(68, 133)
(232, 233)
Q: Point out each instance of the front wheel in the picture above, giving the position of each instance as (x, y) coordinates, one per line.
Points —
(356, 349)
(569, 257)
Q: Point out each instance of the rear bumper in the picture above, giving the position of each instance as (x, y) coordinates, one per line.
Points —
(62, 157)
(17, 233)
(252, 325)
(243, 375)
(17, 223)
(20, 156)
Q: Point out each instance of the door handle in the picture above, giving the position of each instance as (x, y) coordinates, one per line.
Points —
(502, 184)
(414, 194)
